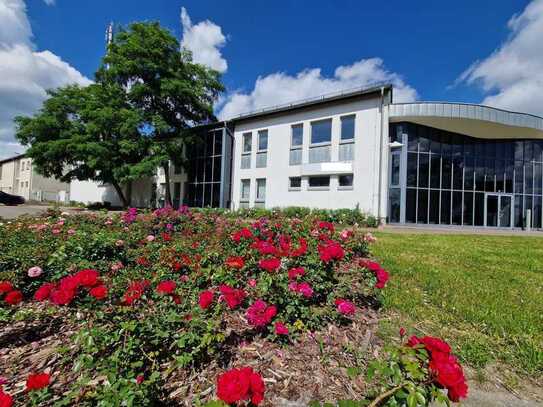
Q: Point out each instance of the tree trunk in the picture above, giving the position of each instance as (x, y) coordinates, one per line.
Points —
(122, 197)
(129, 192)
(168, 197)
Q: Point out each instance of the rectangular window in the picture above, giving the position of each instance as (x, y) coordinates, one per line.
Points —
(319, 182)
(262, 140)
(321, 131)
(245, 189)
(395, 169)
(297, 135)
(247, 142)
(347, 127)
(346, 181)
(295, 182)
(261, 189)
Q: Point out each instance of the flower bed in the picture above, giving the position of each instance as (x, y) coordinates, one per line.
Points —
(148, 300)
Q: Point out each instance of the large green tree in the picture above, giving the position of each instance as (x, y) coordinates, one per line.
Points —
(88, 133)
(170, 91)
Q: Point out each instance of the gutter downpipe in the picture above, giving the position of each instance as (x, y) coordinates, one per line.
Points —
(380, 156)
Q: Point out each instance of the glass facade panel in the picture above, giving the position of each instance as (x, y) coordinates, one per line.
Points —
(449, 178)
(204, 172)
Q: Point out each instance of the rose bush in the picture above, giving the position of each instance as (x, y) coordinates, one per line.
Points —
(165, 290)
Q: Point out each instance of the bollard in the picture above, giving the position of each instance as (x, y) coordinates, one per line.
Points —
(528, 220)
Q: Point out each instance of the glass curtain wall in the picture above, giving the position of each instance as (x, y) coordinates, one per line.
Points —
(452, 179)
(204, 170)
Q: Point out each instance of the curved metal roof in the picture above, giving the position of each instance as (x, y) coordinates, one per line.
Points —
(459, 115)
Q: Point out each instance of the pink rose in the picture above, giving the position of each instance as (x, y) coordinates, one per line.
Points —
(150, 238)
(252, 282)
(34, 271)
(71, 231)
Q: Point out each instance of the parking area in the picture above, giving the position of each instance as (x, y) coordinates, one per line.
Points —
(11, 212)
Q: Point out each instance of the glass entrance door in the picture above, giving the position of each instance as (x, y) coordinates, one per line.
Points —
(498, 210)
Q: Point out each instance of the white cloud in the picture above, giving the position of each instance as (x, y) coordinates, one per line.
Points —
(49, 2)
(278, 88)
(512, 76)
(204, 40)
(25, 74)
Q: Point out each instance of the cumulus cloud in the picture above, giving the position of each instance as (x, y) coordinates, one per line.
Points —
(49, 2)
(278, 88)
(204, 40)
(512, 76)
(25, 74)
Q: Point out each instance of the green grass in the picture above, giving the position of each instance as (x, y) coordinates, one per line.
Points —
(484, 294)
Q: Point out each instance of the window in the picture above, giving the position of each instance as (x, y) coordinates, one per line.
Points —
(247, 142)
(26, 184)
(296, 141)
(261, 189)
(295, 182)
(319, 182)
(297, 135)
(247, 147)
(347, 127)
(262, 140)
(321, 131)
(262, 154)
(346, 181)
(245, 189)
(395, 168)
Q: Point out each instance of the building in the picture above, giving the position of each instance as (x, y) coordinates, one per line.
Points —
(406, 163)
(18, 177)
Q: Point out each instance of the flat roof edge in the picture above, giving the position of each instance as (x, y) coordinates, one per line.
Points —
(326, 98)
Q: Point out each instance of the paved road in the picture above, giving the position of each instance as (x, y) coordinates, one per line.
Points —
(11, 212)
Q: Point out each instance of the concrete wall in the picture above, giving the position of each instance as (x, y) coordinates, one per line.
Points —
(365, 166)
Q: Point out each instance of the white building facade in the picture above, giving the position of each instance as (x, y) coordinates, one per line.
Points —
(446, 164)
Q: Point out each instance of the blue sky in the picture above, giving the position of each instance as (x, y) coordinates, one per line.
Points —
(429, 43)
(426, 48)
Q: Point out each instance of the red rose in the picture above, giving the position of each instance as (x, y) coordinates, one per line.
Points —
(88, 278)
(435, 344)
(205, 299)
(134, 291)
(140, 379)
(14, 297)
(280, 328)
(166, 237)
(37, 381)
(331, 251)
(270, 265)
(460, 391)
(61, 296)
(260, 314)
(326, 225)
(238, 385)
(265, 248)
(301, 250)
(44, 291)
(236, 262)
(232, 296)
(242, 234)
(382, 278)
(345, 307)
(5, 287)
(166, 287)
(99, 292)
(5, 399)
(295, 272)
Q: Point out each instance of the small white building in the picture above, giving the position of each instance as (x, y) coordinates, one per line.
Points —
(18, 177)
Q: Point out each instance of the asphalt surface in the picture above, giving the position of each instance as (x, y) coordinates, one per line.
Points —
(12, 212)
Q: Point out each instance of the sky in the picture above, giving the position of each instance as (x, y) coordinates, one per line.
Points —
(488, 52)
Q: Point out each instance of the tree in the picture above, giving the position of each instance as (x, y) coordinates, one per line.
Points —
(88, 133)
(171, 93)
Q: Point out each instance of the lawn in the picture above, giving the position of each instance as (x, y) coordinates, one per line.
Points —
(483, 293)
